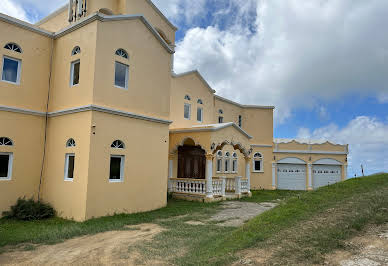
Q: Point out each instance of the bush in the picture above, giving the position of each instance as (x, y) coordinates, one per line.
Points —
(29, 210)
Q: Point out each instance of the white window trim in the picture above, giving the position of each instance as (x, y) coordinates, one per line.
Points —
(19, 72)
(189, 105)
(261, 159)
(72, 73)
(200, 108)
(126, 76)
(67, 167)
(122, 166)
(227, 161)
(10, 164)
(235, 160)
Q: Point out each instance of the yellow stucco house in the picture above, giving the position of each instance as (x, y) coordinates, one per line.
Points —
(95, 122)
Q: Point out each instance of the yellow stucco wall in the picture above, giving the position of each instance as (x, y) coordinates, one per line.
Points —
(68, 198)
(193, 86)
(146, 166)
(62, 95)
(262, 180)
(149, 72)
(55, 22)
(259, 124)
(31, 93)
(27, 156)
(230, 111)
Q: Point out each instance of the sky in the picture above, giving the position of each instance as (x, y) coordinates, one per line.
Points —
(322, 63)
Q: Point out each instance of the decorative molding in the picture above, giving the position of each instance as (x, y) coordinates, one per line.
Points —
(242, 105)
(162, 15)
(327, 161)
(310, 152)
(21, 110)
(261, 146)
(291, 160)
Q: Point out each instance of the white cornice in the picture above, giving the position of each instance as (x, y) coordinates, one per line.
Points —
(162, 15)
(85, 109)
(25, 25)
(261, 145)
(311, 152)
(242, 105)
(210, 128)
(21, 110)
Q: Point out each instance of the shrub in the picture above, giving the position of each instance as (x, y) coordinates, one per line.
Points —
(29, 210)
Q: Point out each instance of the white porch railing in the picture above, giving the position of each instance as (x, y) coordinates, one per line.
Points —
(220, 186)
(187, 185)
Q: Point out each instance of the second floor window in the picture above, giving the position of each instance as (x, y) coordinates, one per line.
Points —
(121, 75)
(11, 70)
(240, 121)
(187, 111)
(220, 119)
(199, 114)
(74, 73)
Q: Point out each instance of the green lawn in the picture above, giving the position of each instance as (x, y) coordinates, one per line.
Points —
(314, 223)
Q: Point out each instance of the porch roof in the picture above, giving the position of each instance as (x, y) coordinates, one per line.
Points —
(210, 127)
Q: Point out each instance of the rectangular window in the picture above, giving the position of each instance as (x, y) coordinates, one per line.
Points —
(11, 70)
(199, 114)
(257, 166)
(240, 121)
(226, 165)
(219, 165)
(121, 75)
(5, 166)
(234, 166)
(69, 167)
(220, 120)
(74, 73)
(116, 168)
(187, 111)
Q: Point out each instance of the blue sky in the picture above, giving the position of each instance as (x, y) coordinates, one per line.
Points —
(322, 63)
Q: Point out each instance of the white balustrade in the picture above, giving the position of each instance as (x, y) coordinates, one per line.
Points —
(244, 185)
(187, 185)
(217, 187)
(230, 184)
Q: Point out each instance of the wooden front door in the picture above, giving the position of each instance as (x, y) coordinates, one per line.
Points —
(191, 162)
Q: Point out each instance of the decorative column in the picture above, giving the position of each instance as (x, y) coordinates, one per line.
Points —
(209, 175)
(223, 186)
(345, 171)
(237, 186)
(248, 171)
(274, 175)
(171, 158)
(310, 176)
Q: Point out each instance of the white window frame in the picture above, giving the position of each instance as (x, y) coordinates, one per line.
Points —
(10, 164)
(201, 120)
(259, 159)
(72, 73)
(19, 71)
(220, 120)
(126, 76)
(66, 178)
(189, 105)
(219, 159)
(234, 161)
(227, 168)
(122, 167)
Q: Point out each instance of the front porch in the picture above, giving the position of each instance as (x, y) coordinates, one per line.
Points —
(194, 151)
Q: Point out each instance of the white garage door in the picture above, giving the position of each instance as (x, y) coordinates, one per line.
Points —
(292, 176)
(324, 175)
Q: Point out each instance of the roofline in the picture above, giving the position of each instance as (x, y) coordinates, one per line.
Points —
(51, 15)
(306, 141)
(83, 22)
(174, 75)
(63, 8)
(242, 105)
(162, 15)
(211, 129)
(25, 25)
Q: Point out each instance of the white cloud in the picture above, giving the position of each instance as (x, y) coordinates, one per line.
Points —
(367, 138)
(301, 52)
(10, 8)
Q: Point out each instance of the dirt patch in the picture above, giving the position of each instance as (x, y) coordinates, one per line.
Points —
(368, 249)
(236, 213)
(101, 249)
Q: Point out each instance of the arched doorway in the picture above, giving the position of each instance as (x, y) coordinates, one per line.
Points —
(191, 162)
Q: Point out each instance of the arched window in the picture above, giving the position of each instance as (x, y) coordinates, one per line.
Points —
(13, 47)
(227, 162)
(187, 97)
(199, 101)
(118, 144)
(5, 142)
(122, 53)
(76, 50)
(258, 162)
(70, 143)
(219, 161)
(234, 163)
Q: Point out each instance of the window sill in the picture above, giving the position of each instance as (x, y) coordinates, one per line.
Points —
(123, 88)
(257, 171)
(11, 82)
(69, 179)
(5, 179)
(116, 180)
(75, 85)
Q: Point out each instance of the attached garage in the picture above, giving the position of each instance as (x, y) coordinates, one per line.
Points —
(326, 172)
(291, 174)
